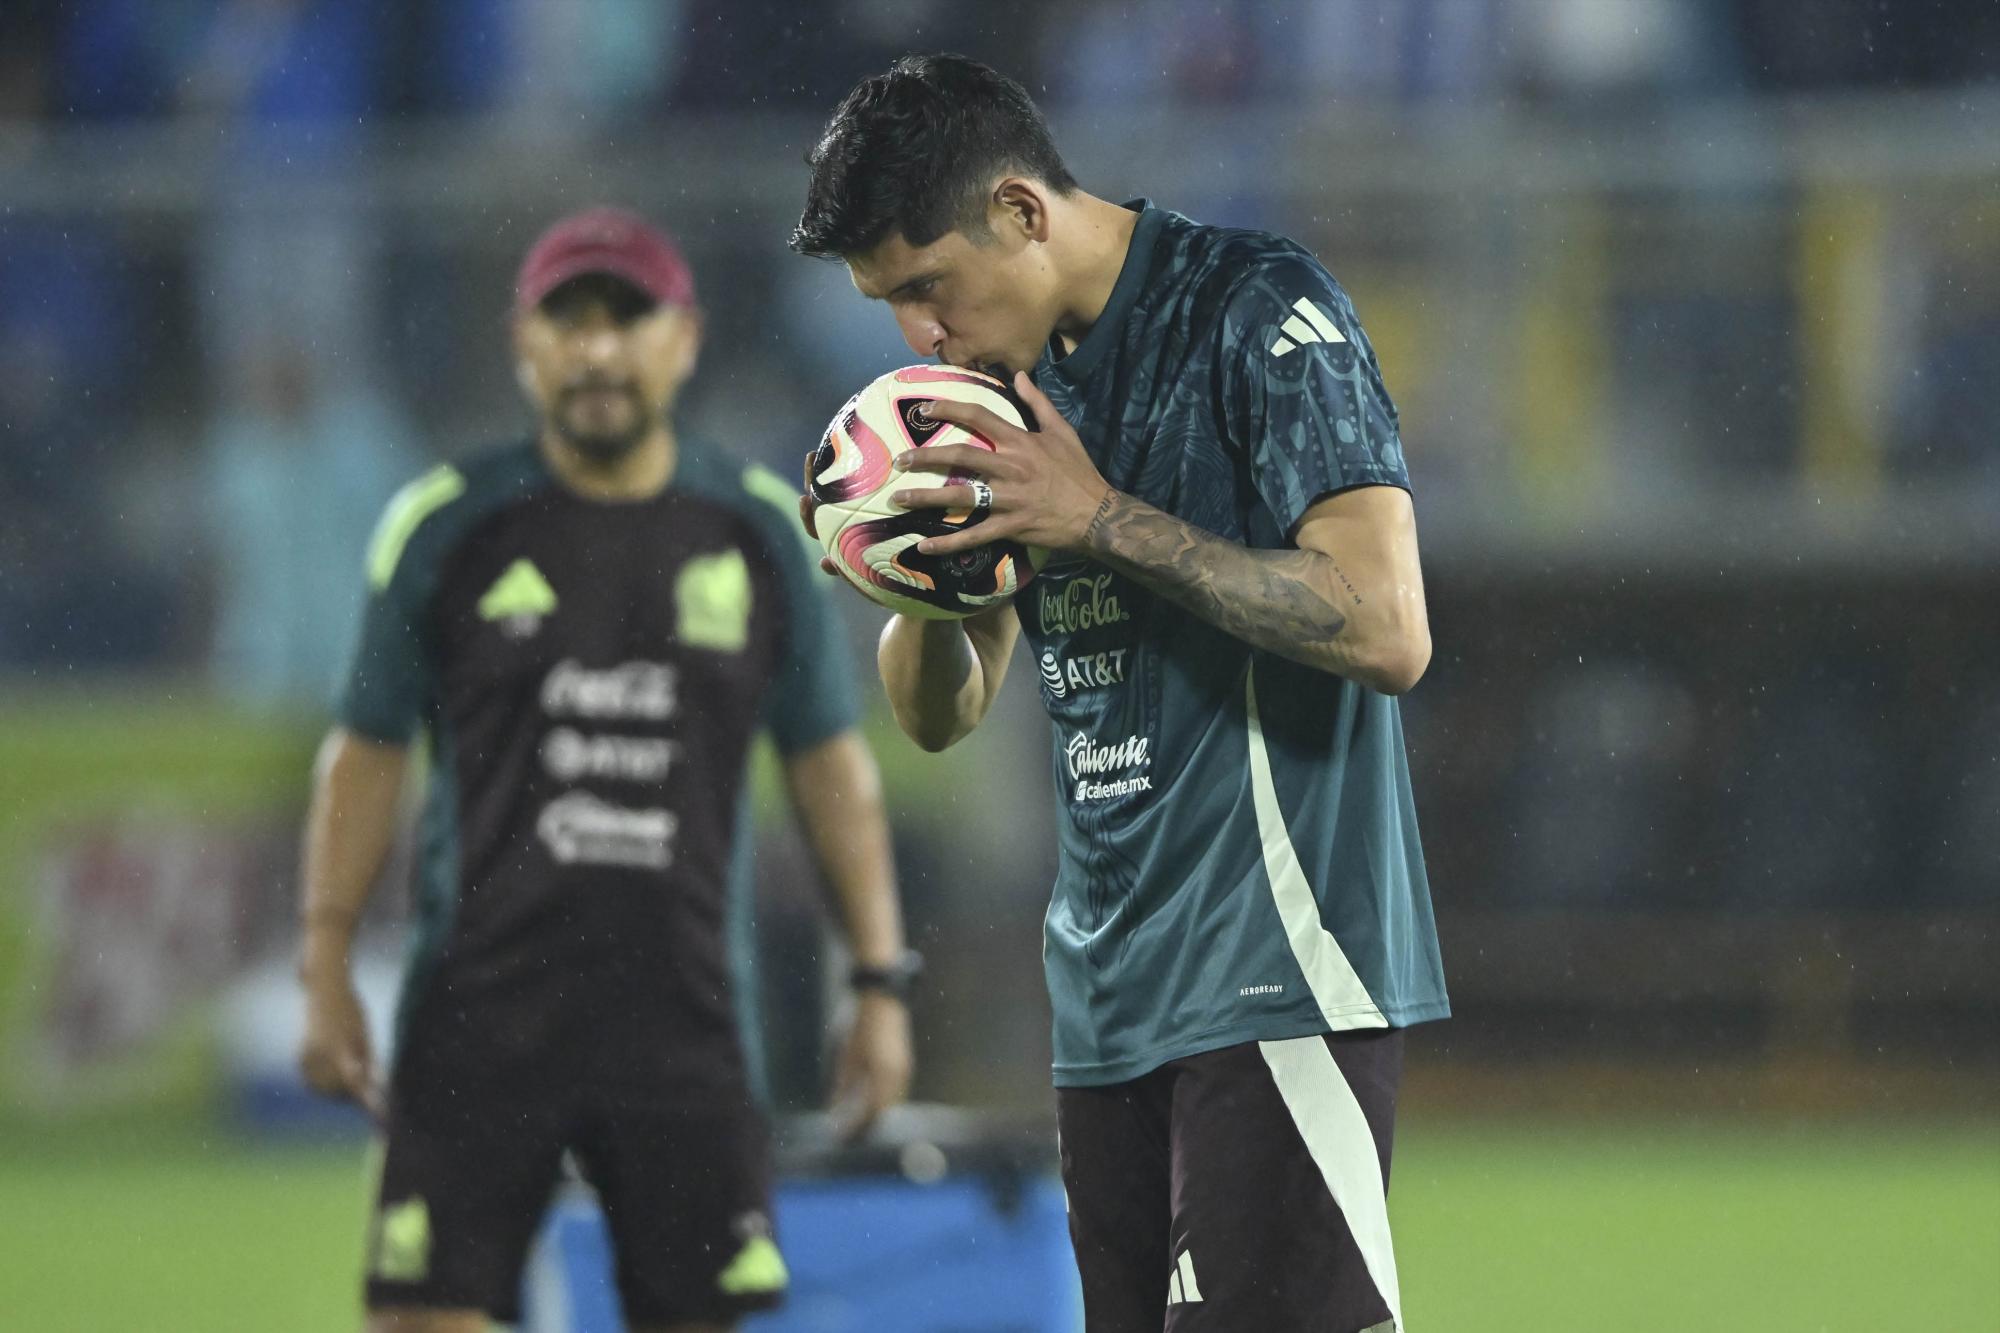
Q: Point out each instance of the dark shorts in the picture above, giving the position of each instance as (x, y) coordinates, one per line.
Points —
(1238, 1189)
(685, 1191)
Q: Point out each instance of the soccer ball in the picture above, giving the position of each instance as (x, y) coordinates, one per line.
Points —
(872, 540)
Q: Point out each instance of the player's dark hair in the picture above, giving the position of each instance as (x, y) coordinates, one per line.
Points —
(912, 152)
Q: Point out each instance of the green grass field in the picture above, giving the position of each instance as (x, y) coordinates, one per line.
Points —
(1501, 1227)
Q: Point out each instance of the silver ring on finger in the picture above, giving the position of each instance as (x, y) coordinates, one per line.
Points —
(982, 496)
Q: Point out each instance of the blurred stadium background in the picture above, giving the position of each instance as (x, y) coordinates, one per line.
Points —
(1692, 308)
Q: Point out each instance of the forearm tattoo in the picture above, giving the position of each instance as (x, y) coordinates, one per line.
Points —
(1091, 529)
(1286, 602)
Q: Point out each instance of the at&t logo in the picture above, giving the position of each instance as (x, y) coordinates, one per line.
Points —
(1082, 671)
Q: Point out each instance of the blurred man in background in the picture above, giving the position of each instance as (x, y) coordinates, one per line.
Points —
(591, 625)
(1241, 925)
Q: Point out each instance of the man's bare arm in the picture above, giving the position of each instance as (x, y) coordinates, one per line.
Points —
(943, 675)
(836, 791)
(349, 829)
(1349, 600)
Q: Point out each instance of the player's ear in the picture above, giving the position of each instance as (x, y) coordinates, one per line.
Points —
(687, 342)
(521, 328)
(1021, 206)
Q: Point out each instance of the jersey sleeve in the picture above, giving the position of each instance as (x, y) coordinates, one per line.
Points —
(1301, 393)
(812, 696)
(387, 693)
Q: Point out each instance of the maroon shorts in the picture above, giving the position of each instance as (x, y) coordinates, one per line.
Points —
(1245, 1188)
(685, 1191)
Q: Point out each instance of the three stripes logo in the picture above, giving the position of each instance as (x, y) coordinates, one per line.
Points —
(1181, 1287)
(1309, 325)
(518, 600)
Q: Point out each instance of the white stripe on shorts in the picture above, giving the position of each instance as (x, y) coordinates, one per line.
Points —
(1336, 1132)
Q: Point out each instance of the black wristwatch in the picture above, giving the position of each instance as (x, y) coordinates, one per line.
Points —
(893, 978)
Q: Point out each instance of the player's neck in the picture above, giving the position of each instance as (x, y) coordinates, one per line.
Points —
(1101, 233)
(638, 474)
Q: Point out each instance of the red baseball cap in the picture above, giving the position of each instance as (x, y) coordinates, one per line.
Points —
(604, 240)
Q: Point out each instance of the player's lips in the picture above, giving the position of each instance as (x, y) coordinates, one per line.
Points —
(597, 399)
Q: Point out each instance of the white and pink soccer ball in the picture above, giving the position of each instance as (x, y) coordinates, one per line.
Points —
(873, 541)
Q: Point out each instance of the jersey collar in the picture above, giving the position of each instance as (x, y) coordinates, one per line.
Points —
(691, 465)
(1110, 326)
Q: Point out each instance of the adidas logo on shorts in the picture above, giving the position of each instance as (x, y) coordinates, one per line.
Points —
(1181, 1287)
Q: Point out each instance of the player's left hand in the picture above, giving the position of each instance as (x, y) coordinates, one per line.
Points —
(1046, 490)
(875, 1062)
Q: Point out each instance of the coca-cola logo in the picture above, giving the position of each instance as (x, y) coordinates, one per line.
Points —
(630, 690)
(1081, 604)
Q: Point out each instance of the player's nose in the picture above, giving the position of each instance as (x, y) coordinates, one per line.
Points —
(598, 345)
(925, 336)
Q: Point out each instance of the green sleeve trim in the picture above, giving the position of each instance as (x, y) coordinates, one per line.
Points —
(773, 489)
(411, 506)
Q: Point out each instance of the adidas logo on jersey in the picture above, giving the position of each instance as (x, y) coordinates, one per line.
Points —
(1181, 1287)
(1310, 325)
(518, 599)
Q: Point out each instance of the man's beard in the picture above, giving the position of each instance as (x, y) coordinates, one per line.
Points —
(601, 446)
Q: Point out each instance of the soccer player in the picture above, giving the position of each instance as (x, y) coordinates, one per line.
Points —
(1241, 926)
(590, 625)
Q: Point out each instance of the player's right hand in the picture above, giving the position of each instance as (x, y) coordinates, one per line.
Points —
(335, 1056)
(806, 507)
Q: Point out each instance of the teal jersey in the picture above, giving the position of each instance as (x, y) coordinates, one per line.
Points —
(1239, 851)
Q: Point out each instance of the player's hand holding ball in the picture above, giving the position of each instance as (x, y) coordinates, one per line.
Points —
(1008, 493)
(1044, 490)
